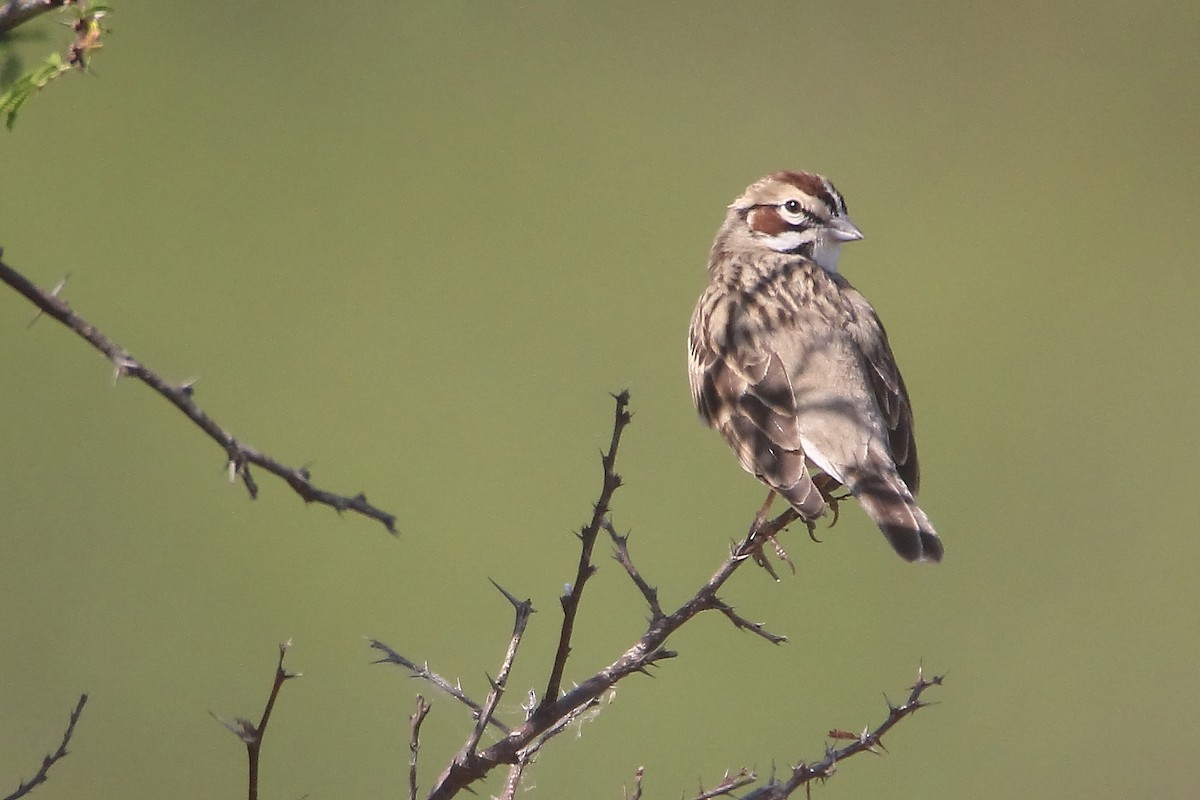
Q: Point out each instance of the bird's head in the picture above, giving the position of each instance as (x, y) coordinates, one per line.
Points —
(795, 212)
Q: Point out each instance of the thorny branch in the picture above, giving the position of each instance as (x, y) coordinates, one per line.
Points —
(523, 608)
(239, 456)
(252, 734)
(51, 759)
(557, 710)
(414, 744)
(729, 783)
(869, 741)
(587, 538)
(621, 546)
(512, 781)
(423, 672)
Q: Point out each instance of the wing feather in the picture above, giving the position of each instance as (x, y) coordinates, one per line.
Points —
(748, 397)
(888, 386)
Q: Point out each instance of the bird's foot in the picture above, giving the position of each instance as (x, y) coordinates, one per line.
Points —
(835, 507)
(827, 486)
(762, 531)
(760, 558)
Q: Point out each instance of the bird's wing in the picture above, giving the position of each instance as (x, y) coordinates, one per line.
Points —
(885, 380)
(746, 395)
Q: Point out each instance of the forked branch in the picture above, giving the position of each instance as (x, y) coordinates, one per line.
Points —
(251, 733)
(557, 710)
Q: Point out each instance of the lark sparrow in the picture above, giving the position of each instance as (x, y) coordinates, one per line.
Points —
(791, 364)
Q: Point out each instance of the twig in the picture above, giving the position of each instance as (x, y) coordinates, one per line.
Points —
(622, 555)
(239, 456)
(50, 760)
(621, 543)
(744, 624)
(729, 783)
(251, 734)
(414, 744)
(523, 609)
(423, 672)
(867, 741)
(637, 783)
(467, 756)
(587, 537)
(512, 781)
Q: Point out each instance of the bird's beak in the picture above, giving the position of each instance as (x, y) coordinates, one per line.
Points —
(844, 229)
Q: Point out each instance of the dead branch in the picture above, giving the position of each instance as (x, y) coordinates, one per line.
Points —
(728, 784)
(414, 744)
(423, 672)
(587, 538)
(524, 608)
(558, 710)
(239, 456)
(869, 741)
(252, 734)
(621, 546)
(51, 759)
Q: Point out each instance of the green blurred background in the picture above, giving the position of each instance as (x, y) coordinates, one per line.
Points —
(416, 246)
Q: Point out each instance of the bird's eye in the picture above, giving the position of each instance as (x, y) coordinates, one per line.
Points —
(792, 206)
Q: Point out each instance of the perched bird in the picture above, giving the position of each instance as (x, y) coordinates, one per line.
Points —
(791, 364)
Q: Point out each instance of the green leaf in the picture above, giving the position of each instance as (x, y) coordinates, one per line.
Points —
(16, 89)
(24, 87)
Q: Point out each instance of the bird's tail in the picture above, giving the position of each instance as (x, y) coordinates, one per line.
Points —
(891, 505)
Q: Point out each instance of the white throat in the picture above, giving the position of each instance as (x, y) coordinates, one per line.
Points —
(826, 251)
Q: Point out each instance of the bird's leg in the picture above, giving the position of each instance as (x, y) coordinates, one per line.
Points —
(756, 527)
(760, 518)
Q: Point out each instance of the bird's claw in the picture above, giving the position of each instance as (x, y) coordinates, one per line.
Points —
(812, 529)
(760, 557)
